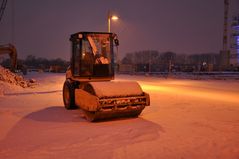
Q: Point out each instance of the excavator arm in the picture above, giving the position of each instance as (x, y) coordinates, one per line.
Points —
(11, 50)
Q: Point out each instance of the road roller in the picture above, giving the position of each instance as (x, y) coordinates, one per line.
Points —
(90, 85)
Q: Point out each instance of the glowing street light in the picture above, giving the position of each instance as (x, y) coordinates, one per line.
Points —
(111, 17)
(114, 17)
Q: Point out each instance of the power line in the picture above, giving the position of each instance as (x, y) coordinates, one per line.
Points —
(2, 9)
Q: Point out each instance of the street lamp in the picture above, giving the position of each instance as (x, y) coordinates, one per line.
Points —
(111, 17)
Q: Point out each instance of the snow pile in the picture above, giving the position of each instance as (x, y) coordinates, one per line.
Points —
(7, 77)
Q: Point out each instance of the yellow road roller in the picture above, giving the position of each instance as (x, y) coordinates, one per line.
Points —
(90, 83)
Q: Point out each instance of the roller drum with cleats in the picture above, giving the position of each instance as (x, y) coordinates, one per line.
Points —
(89, 81)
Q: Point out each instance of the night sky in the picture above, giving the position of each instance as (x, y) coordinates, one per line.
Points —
(42, 27)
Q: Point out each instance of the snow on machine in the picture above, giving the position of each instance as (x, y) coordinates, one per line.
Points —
(90, 84)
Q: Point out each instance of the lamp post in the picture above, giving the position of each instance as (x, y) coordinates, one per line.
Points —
(111, 17)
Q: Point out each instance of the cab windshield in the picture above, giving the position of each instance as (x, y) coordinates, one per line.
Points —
(95, 55)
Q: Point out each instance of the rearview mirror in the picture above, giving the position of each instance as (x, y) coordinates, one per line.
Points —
(116, 42)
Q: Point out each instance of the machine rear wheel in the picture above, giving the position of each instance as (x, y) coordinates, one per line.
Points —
(69, 95)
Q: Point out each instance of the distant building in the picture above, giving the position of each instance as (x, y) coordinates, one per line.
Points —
(234, 58)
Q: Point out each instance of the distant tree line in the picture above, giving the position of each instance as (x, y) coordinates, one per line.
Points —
(154, 61)
(33, 62)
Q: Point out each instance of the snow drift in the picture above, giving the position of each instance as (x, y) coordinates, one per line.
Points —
(187, 119)
(9, 79)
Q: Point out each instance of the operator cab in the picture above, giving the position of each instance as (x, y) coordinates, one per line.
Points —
(92, 55)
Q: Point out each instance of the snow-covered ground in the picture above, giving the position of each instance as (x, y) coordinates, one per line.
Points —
(187, 119)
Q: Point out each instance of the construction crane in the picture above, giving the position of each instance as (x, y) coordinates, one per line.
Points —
(225, 53)
(225, 38)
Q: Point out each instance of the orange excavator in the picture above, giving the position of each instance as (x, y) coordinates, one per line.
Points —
(12, 52)
(8, 48)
